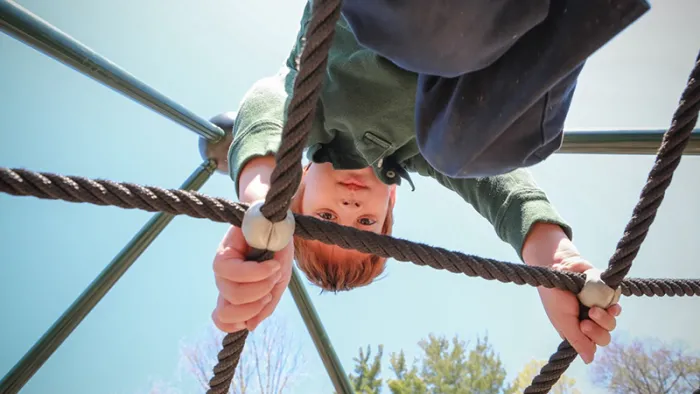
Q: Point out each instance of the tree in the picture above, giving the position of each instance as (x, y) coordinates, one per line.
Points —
(367, 380)
(565, 384)
(269, 363)
(449, 369)
(444, 367)
(407, 380)
(646, 367)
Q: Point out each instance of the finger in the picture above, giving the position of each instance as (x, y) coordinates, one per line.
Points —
(229, 314)
(596, 333)
(242, 293)
(615, 310)
(233, 244)
(277, 293)
(237, 270)
(578, 340)
(286, 254)
(603, 318)
(225, 327)
(579, 265)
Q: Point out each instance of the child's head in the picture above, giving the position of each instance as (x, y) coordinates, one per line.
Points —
(354, 198)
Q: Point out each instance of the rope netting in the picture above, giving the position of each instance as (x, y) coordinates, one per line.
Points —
(287, 175)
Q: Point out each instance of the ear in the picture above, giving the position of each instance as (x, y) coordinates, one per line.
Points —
(392, 196)
(306, 167)
(296, 203)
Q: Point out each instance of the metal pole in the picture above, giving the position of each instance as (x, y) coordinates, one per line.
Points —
(319, 336)
(622, 142)
(21, 24)
(20, 374)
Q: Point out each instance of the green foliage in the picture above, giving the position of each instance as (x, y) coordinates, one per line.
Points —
(445, 366)
(407, 380)
(366, 378)
(565, 384)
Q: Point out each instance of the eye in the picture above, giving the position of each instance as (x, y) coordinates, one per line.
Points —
(326, 216)
(366, 221)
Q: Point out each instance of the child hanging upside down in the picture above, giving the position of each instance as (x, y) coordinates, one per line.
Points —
(496, 103)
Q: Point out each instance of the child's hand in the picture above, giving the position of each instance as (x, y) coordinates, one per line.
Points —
(248, 291)
(562, 308)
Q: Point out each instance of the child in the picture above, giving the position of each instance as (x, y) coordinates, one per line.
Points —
(361, 147)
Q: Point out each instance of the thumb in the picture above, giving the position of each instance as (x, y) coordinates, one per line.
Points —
(233, 245)
(578, 265)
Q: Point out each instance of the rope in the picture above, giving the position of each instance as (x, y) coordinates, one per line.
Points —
(660, 176)
(644, 213)
(286, 176)
(20, 182)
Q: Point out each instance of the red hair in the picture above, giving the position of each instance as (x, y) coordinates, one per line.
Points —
(355, 269)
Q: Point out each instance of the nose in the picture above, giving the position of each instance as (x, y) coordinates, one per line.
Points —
(350, 203)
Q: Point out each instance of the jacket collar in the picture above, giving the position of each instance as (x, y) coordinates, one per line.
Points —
(387, 169)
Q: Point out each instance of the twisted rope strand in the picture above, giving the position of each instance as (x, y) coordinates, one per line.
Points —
(308, 83)
(20, 182)
(286, 176)
(660, 176)
(667, 160)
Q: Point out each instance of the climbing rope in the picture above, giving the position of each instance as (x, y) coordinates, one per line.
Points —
(21, 182)
(287, 176)
(667, 160)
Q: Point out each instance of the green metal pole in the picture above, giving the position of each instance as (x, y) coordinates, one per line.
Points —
(319, 336)
(623, 142)
(20, 374)
(21, 24)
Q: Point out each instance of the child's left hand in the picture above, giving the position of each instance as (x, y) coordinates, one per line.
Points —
(562, 308)
(548, 246)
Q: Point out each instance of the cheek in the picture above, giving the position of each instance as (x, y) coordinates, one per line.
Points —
(381, 196)
(314, 199)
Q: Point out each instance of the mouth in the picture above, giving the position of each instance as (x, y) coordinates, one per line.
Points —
(353, 185)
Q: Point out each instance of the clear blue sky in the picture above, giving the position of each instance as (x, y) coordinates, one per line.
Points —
(205, 55)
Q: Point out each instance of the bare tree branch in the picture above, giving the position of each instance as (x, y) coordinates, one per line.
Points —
(647, 366)
(269, 364)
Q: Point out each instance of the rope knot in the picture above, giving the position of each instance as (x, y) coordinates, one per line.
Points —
(596, 292)
(261, 233)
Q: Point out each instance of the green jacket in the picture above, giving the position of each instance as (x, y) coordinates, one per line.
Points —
(365, 118)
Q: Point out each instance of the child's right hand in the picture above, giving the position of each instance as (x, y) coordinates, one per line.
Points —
(249, 291)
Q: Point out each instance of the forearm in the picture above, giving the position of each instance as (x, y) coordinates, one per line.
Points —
(254, 180)
(547, 244)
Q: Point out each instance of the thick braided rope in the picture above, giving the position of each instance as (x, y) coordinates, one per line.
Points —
(644, 213)
(20, 182)
(286, 176)
(667, 160)
(287, 173)
(77, 189)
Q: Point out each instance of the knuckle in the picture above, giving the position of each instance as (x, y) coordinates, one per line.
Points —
(237, 298)
(226, 315)
(217, 322)
(233, 293)
(216, 265)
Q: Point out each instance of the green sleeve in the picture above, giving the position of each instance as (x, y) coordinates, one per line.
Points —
(512, 202)
(293, 59)
(261, 114)
(258, 126)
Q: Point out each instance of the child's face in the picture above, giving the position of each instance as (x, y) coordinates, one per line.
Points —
(354, 198)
